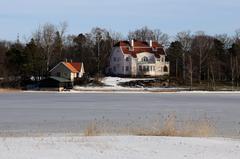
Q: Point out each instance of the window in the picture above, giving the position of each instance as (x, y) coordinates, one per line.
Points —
(144, 68)
(140, 68)
(114, 69)
(114, 59)
(58, 74)
(165, 69)
(162, 59)
(127, 68)
(127, 58)
(144, 59)
(147, 68)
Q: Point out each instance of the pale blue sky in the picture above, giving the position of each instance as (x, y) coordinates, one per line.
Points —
(171, 16)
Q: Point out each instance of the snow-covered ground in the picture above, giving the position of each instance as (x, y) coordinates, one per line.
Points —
(114, 81)
(112, 84)
(118, 147)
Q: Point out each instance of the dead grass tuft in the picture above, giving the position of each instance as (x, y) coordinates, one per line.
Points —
(92, 130)
(169, 127)
(9, 90)
(202, 128)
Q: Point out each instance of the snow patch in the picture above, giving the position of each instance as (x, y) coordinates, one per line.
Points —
(115, 147)
(114, 81)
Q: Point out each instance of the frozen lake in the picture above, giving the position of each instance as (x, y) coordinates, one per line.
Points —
(71, 113)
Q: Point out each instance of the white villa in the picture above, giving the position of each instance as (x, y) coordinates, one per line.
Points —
(138, 58)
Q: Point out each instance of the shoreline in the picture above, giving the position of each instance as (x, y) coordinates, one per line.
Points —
(107, 90)
(7, 90)
(119, 89)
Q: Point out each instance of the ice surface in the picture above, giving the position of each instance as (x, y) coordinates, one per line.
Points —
(72, 112)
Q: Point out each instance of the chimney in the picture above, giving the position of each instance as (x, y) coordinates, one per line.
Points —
(132, 43)
(150, 43)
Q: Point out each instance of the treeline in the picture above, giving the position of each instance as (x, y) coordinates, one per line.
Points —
(203, 60)
(195, 59)
(21, 62)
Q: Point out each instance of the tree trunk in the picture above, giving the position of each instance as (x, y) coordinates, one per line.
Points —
(232, 72)
(237, 72)
(208, 78)
(184, 69)
(176, 68)
(200, 67)
(213, 78)
(191, 72)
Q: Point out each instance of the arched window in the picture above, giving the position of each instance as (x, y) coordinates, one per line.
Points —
(144, 59)
(165, 69)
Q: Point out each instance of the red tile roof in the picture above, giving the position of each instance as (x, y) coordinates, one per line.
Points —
(139, 47)
(74, 67)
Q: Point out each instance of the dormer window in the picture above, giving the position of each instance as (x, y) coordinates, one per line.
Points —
(162, 59)
(144, 59)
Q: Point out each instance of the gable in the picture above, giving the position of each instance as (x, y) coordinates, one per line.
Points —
(60, 68)
(117, 53)
(73, 67)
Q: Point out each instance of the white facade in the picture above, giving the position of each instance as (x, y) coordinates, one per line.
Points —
(144, 64)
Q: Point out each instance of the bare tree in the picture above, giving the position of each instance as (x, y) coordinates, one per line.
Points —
(161, 38)
(225, 39)
(4, 46)
(60, 39)
(226, 57)
(116, 36)
(232, 70)
(201, 45)
(62, 28)
(143, 34)
(146, 34)
(48, 36)
(185, 39)
(190, 69)
(237, 56)
(45, 37)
